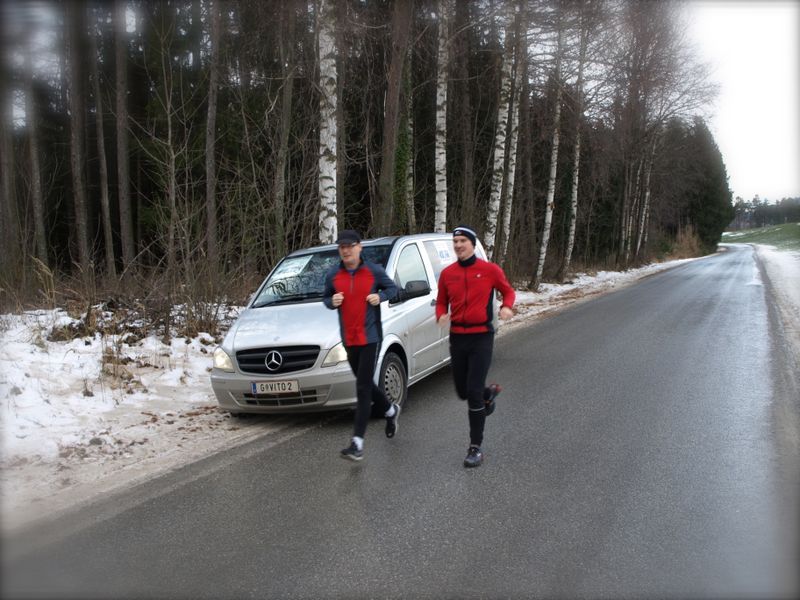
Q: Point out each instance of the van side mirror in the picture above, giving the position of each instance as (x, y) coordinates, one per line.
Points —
(414, 289)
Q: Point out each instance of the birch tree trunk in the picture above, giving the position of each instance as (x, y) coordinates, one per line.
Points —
(500, 135)
(328, 125)
(642, 234)
(576, 159)
(123, 166)
(551, 184)
(520, 79)
(440, 157)
(105, 204)
(573, 205)
(508, 196)
(405, 152)
(401, 28)
(632, 212)
(211, 139)
(76, 31)
(408, 167)
(626, 202)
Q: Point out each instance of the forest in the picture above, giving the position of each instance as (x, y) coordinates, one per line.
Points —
(171, 152)
(761, 213)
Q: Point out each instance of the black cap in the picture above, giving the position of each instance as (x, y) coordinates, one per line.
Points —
(348, 236)
(466, 232)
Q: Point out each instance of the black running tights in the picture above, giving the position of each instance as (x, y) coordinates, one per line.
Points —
(471, 356)
(362, 362)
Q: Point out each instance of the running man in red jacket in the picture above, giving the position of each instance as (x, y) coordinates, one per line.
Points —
(356, 288)
(467, 288)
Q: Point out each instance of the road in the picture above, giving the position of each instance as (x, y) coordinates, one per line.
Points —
(645, 446)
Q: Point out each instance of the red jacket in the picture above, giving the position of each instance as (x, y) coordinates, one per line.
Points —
(468, 288)
(359, 322)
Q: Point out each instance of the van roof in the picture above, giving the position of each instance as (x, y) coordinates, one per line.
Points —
(389, 240)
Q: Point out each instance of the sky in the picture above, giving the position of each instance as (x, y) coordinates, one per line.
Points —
(752, 48)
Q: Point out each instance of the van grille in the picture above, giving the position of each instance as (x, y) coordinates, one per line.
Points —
(293, 358)
(301, 397)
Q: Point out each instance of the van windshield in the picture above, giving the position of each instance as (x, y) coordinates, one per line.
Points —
(302, 278)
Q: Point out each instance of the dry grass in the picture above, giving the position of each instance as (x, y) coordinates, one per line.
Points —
(687, 244)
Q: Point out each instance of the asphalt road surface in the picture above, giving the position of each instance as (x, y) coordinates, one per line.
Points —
(645, 446)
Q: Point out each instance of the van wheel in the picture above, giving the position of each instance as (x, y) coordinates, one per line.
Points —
(393, 379)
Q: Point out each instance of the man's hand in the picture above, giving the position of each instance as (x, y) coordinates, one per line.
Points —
(506, 313)
(444, 320)
(337, 299)
(374, 299)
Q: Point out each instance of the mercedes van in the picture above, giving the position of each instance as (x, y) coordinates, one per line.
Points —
(284, 352)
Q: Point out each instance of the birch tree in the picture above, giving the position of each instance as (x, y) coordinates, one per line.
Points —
(520, 84)
(584, 25)
(409, 163)
(641, 238)
(499, 174)
(328, 125)
(551, 183)
(440, 157)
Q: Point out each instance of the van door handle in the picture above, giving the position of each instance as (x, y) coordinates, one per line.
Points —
(433, 302)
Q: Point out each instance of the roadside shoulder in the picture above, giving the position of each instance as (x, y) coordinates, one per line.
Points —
(782, 268)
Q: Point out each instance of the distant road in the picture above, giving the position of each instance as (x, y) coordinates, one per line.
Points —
(645, 446)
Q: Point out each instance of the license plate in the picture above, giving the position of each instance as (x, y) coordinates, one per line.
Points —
(275, 387)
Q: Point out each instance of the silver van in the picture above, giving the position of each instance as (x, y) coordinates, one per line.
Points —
(284, 352)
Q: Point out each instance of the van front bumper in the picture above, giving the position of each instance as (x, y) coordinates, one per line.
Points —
(328, 388)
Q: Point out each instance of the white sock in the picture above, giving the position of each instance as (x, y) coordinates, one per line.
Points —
(359, 442)
(390, 412)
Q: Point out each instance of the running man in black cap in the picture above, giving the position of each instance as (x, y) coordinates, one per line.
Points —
(356, 288)
(467, 289)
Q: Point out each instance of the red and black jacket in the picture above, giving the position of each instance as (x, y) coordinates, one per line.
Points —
(359, 321)
(467, 288)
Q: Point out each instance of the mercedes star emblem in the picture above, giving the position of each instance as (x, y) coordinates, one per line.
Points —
(273, 361)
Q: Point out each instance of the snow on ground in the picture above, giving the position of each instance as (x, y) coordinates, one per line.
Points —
(95, 414)
(783, 271)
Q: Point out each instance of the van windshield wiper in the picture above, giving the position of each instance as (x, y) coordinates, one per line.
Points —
(290, 298)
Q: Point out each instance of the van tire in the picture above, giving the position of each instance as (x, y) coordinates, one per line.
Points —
(393, 379)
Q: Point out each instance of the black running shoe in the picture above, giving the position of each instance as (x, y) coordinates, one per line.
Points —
(352, 452)
(474, 457)
(489, 404)
(393, 422)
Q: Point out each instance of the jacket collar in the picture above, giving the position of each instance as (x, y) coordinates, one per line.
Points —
(469, 262)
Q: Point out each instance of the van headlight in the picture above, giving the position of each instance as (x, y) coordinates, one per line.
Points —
(336, 355)
(222, 361)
